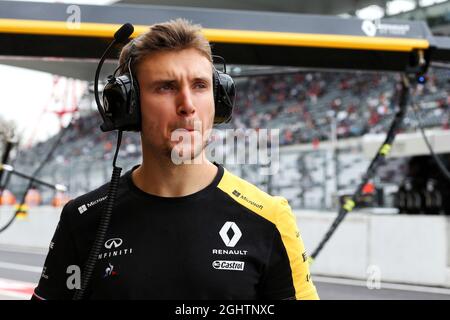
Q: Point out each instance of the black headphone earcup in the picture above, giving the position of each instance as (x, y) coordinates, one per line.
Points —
(224, 96)
(121, 97)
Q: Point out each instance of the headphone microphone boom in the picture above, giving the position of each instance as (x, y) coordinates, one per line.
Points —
(124, 32)
(105, 110)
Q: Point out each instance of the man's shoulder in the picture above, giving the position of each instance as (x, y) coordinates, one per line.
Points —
(92, 199)
(252, 197)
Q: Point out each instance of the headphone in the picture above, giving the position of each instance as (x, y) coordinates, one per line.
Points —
(121, 99)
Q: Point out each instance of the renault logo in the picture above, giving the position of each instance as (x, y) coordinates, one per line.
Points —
(224, 234)
(114, 242)
(369, 28)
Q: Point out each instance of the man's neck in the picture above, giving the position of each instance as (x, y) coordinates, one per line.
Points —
(166, 179)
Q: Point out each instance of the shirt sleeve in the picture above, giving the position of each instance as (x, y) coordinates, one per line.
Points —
(287, 273)
(60, 263)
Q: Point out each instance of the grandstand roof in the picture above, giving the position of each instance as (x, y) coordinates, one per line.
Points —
(328, 7)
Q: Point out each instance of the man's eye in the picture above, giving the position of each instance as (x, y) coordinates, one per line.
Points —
(200, 85)
(166, 87)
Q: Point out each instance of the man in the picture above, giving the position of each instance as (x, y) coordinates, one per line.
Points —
(179, 231)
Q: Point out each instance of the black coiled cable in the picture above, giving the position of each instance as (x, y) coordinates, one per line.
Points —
(348, 205)
(102, 228)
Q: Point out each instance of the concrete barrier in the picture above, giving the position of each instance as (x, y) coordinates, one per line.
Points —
(34, 232)
(412, 249)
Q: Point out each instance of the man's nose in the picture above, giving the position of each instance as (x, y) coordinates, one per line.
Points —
(185, 105)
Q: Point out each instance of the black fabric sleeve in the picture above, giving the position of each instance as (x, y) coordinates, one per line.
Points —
(277, 281)
(62, 254)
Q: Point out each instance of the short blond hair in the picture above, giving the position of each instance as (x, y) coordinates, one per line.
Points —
(174, 35)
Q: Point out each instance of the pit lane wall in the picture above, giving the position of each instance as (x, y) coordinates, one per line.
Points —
(413, 249)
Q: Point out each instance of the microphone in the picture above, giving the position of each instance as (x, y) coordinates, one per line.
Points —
(124, 32)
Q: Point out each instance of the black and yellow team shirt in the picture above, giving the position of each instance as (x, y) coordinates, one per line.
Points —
(228, 241)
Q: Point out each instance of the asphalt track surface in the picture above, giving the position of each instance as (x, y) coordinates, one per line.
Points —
(20, 271)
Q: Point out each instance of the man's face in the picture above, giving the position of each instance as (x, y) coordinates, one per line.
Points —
(176, 99)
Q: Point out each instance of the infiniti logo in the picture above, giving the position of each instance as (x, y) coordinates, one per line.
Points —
(224, 233)
(114, 242)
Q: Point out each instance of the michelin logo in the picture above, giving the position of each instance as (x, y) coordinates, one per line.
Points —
(228, 265)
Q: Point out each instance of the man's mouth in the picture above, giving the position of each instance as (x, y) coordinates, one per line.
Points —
(189, 126)
(190, 129)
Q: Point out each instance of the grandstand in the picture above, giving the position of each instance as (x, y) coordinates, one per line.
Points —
(303, 106)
